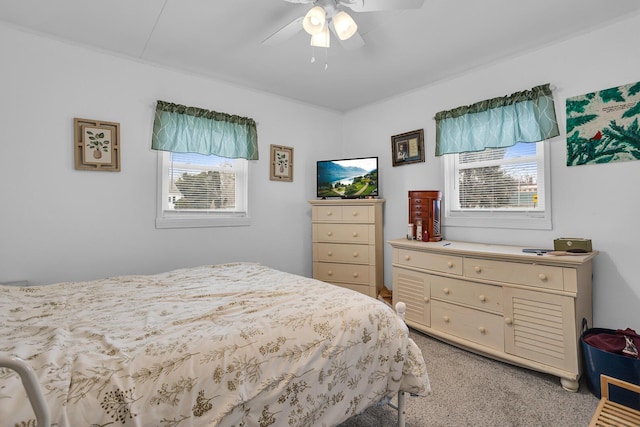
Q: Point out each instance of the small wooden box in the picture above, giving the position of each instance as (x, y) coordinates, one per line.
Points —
(570, 244)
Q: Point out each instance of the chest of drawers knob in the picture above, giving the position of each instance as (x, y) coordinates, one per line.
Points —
(482, 298)
(329, 253)
(355, 275)
(446, 319)
(542, 276)
(477, 269)
(446, 291)
(355, 254)
(354, 213)
(407, 257)
(450, 264)
(329, 233)
(482, 330)
(508, 321)
(355, 234)
(427, 299)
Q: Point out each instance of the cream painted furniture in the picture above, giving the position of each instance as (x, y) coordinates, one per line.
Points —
(495, 300)
(347, 243)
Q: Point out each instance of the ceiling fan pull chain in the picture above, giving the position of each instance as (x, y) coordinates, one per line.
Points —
(326, 57)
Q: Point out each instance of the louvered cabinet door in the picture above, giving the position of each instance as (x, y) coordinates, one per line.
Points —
(541, 327)
(412, 288)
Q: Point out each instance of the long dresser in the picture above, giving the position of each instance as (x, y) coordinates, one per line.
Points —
(348, 244)
(521, 308)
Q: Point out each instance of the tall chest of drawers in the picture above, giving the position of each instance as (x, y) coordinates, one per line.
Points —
(495, 300)
(348, 244)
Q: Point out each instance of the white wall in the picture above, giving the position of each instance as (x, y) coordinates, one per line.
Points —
(61, 224)
(58, 223)
(597, 201)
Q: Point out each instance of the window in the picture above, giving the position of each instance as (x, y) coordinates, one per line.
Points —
(196, 190)
(202, 166)
(498, 187)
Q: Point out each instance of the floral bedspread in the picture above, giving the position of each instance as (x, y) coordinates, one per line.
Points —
(224, 345)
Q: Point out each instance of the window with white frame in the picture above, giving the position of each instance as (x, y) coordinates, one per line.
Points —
(202, 166)
(498, 187)
(196, 190)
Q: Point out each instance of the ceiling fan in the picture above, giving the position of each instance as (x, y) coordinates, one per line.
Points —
(329, 16)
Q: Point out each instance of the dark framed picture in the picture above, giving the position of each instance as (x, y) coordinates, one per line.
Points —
(407, 148)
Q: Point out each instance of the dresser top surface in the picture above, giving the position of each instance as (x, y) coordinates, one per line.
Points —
(344, 202)
(494, 251)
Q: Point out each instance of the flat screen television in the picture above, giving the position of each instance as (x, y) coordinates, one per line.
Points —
(348, 178)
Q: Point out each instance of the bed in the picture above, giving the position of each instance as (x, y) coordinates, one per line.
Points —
(236, 344)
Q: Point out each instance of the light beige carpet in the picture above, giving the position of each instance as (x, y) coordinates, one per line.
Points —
(471, 390)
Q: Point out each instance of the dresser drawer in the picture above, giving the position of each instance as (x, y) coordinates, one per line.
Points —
(435, 262)
(473, 325)
(343, 273)
(542, 276)
(486, 297)
(343, 252)
(344, 233)
(362, 214)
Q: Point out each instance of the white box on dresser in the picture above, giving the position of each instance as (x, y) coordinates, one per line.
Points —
(521, 308)
(348, 243)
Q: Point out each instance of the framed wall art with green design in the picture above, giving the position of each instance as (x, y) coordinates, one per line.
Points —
(281, 168)
(602, 126)
(96, 145)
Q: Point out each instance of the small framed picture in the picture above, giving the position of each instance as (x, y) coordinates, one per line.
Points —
(407, 148)
(96, 145)
(281, 163)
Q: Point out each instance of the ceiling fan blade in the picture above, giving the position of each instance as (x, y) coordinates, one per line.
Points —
(285, 32)
(377, 5)
(352, 43)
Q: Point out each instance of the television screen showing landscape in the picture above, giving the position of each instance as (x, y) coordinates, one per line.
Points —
(348, 177)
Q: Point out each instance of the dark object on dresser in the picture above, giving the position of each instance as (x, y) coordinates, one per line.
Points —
(424, 208)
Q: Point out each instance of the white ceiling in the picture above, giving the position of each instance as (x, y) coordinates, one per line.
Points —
(403, 49)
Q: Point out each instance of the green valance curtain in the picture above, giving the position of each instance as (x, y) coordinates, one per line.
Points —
(181, 129)
(527, 116)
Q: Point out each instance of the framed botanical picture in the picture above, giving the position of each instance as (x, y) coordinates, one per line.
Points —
(96, 145)
(407, 148)
(281, 163)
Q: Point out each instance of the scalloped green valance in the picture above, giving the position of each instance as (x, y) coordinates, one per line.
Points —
(181, 129)
(526, 116)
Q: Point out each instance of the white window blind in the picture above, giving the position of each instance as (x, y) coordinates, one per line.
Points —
(499, 187)
(196, 190)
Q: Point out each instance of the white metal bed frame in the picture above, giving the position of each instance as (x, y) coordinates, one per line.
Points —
(39, 405)
(30, 383)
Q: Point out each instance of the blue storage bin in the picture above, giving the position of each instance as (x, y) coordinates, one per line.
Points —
(625, 368)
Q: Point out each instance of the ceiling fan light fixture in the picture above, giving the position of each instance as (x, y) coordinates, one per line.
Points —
(314, 20)
(344, 25)
(321, 39)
